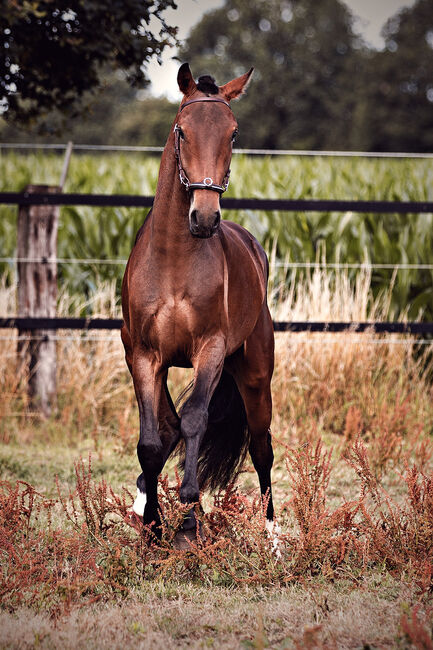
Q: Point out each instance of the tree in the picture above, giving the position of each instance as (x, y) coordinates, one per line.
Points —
(113, 116)
(54, 52)
(307, 62)
(399, 92)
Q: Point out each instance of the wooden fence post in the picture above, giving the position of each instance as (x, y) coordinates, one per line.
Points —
(37, 294)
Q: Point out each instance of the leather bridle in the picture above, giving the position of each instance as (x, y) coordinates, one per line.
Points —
(207, 183)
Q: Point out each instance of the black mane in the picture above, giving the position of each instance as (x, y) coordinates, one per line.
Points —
(206, 84)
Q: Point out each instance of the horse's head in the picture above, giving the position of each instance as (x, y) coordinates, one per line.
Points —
(204, 134)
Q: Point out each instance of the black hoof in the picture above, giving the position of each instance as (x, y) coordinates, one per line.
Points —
(184, 538)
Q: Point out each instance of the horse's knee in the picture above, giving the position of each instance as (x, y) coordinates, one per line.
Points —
(150, 454)
(258, 406)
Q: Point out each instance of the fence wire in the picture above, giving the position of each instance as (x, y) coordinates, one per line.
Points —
(327, 340)
(249, 152)
(284, 265)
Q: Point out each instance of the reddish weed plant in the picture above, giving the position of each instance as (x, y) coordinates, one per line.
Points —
(76, 549)
(415, 628)
(397, 534)
(55, 554)
(322, 539)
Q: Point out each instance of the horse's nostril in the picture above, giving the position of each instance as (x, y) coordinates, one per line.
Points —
(193, 218)
(204, 225)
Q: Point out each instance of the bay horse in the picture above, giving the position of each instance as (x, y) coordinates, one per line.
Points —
(194, 294)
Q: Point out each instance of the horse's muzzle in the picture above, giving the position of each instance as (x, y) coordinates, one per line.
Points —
(204, 226)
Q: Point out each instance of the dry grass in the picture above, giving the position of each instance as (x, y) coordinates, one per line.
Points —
(350, 384)
(357, 553)
(348, 575)
(196, 617)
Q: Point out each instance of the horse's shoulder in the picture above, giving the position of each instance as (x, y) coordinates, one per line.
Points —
(242, 243)
(239, 234)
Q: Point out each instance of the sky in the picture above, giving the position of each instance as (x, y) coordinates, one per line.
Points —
(371, 16)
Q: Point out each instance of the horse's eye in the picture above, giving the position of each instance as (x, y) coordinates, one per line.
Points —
(234, 135)
(181, 133)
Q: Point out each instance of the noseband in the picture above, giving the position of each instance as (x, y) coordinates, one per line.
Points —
(207, 183)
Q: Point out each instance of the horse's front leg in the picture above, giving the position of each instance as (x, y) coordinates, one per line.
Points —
(148, 376)
(208, 364)
(169, 432)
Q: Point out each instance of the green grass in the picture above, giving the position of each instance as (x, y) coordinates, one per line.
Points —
(107, 233)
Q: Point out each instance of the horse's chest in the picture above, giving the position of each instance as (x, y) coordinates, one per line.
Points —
(173, 313)
(172, 323)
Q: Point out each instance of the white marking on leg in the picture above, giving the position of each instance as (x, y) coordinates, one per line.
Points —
(274, 530)
(140, 503)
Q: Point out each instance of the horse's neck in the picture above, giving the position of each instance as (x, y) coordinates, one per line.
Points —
(171, 205)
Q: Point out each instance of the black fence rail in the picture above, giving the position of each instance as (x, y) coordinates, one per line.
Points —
(30, 324)
(38, 206)
(289, 205)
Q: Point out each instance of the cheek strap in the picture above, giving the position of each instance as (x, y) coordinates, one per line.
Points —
(207, 183)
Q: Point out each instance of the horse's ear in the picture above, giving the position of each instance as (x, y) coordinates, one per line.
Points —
(185, 80)
(236, 87)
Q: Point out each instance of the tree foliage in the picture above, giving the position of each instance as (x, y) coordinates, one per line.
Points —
(52, 53)
(113, 116)
(306, 58)
(399, 88)
(316, 84)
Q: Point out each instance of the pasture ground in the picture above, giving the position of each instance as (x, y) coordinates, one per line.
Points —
(368, 608)
(353, 423)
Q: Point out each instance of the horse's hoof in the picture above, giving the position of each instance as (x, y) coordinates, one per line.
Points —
(184, 538)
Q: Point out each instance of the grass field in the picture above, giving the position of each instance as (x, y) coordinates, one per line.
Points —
(352, 429)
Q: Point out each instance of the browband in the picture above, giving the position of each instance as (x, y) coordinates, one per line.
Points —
(204, 99)
(207, 183)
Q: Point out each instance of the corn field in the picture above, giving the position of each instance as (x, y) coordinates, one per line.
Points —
(108, 233)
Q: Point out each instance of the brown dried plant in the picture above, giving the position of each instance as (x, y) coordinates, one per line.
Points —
(400, 535)
(324, 538)
(415, 629)
(60, 553)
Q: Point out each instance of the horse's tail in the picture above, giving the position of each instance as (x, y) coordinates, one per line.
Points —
(226, 440)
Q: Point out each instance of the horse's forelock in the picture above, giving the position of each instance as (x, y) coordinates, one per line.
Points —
(206, 84)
